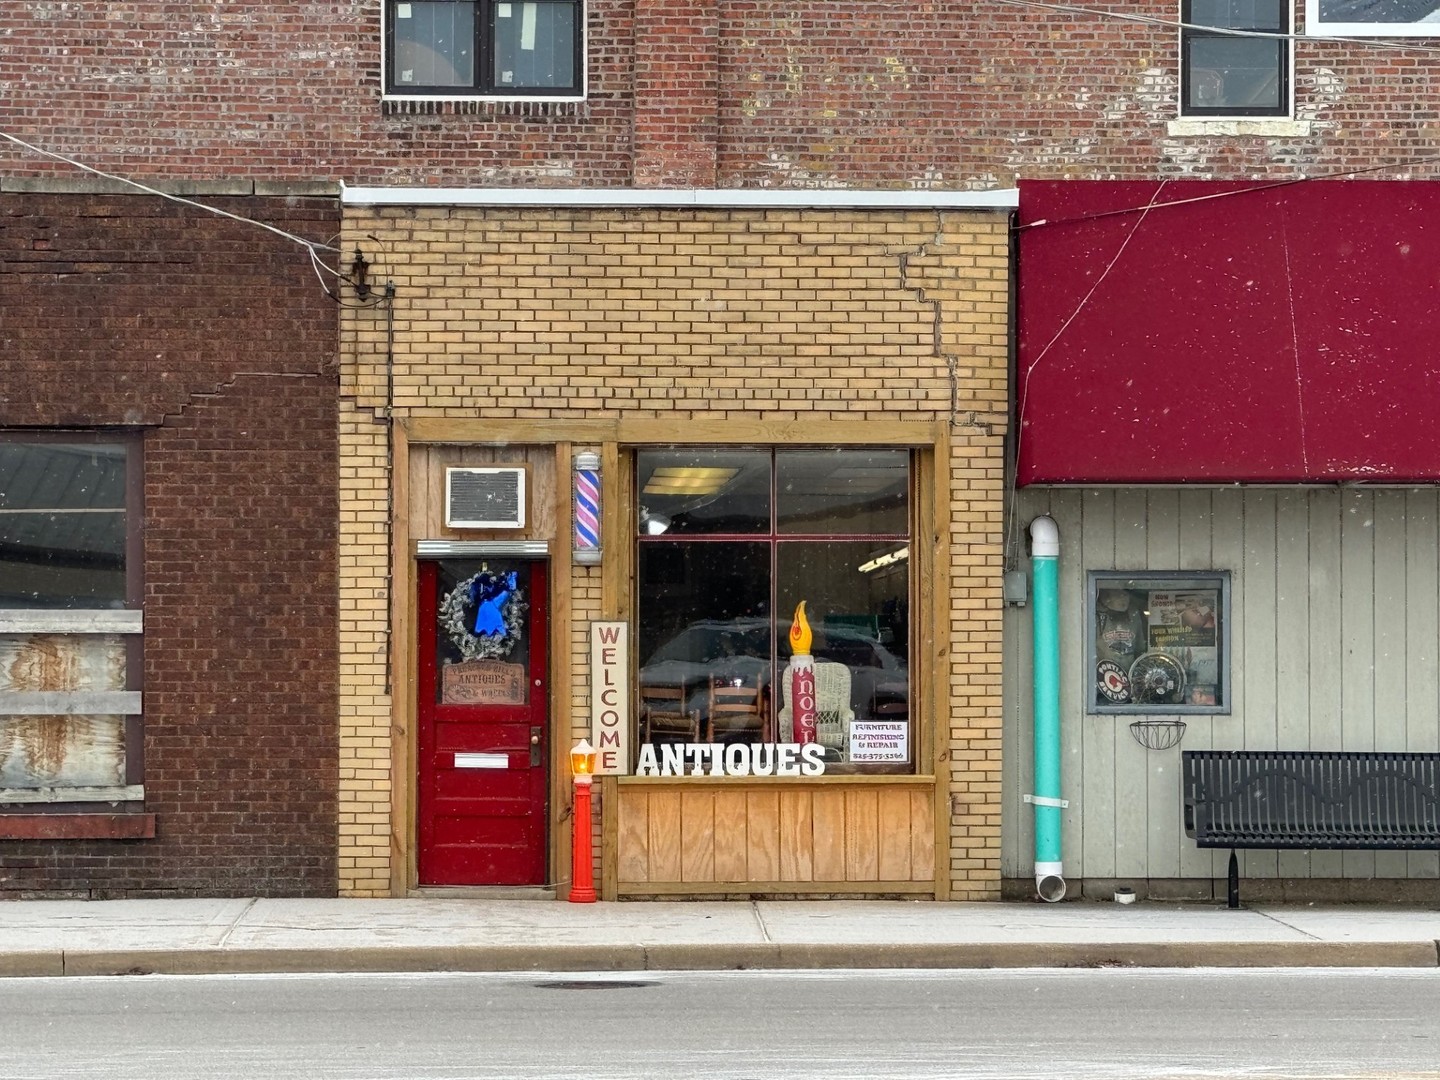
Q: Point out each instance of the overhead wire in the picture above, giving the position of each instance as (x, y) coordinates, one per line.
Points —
(313, 248)
(54, 155)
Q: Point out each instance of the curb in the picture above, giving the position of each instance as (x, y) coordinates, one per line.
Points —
(729, 957)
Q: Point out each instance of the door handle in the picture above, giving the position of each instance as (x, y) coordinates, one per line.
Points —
(535, 746)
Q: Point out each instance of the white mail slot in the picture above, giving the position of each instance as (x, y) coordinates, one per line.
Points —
(482, 761)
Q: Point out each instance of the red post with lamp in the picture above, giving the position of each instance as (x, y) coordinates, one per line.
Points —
(582, 871)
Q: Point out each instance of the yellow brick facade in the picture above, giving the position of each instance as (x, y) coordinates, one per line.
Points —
(795, 324)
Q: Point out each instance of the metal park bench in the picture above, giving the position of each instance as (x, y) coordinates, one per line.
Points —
(1310, 799)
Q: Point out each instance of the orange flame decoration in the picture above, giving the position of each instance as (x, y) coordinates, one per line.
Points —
(800, 632)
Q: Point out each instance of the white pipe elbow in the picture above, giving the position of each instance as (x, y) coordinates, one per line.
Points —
(1044, 538)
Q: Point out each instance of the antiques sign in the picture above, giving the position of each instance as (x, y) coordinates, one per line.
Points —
(483, 682)
(732, 759)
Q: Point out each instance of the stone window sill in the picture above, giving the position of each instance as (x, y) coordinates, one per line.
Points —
(1224, 126)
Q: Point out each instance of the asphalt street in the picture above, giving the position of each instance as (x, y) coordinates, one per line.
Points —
(838, 1025)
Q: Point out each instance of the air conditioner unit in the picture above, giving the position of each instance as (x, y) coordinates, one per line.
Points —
(485, 498)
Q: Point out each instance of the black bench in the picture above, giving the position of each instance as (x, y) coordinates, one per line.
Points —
(1310, 799)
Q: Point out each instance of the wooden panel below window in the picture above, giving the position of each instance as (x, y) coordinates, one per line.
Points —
(862, 836)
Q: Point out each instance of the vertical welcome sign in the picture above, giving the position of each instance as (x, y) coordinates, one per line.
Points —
(610, 697)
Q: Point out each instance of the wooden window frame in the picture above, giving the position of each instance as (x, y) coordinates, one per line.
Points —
(775, 539)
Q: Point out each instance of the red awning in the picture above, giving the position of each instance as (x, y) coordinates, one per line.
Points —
(1276, 333)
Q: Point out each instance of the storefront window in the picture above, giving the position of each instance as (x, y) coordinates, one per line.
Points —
(730, 543)
(1159, 643)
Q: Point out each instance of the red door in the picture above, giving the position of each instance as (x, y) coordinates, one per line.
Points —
(482, 737)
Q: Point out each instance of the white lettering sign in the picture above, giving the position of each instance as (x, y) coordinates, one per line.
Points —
(734, 759)
(610, 697)
(879, 740)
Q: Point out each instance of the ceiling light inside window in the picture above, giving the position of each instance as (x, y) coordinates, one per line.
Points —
(691, 480)
(888, 559)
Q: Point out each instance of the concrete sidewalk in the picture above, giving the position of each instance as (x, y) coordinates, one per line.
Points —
(247, 935)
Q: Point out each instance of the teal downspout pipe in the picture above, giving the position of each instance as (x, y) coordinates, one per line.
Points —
(1045, 570)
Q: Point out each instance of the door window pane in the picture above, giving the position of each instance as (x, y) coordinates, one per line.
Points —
(482, 644)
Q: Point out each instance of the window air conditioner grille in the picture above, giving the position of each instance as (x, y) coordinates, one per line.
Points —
(485, 498)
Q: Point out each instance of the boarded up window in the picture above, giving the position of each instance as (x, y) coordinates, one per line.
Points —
(68, 620)
(61, 749)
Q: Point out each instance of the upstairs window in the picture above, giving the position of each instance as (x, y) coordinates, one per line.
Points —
(484, 48)
(1233, 74)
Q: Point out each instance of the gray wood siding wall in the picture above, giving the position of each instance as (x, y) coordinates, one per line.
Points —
(1335, 614)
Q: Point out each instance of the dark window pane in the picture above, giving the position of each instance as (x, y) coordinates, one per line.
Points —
(704, 610)
(535, 45)
(62, 476)
(57, 560)
(1234, 73)
(1265, 15)
(700, 492)
(434, 44)
(62, 525)
(842, 491)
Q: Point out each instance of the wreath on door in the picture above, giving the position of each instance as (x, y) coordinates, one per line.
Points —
(483, 616)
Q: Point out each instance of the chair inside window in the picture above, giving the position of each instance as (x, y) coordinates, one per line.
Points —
(736, 713)
(663, 716)
(832, 707)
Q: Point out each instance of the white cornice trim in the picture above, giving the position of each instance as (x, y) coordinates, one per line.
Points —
(710, 198)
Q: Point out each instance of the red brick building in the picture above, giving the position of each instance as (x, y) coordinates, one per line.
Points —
(168, 436)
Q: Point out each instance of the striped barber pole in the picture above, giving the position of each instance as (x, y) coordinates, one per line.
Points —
(587, 508)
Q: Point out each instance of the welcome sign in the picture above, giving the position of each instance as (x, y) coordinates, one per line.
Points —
(610, 697)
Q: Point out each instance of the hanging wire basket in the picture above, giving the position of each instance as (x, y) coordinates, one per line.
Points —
(1158, 734)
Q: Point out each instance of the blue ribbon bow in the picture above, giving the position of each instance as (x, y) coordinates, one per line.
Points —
(490, 597)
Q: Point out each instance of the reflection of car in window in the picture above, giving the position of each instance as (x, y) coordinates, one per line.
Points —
(740, 650)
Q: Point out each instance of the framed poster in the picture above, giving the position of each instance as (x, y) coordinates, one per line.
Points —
(1372, 18)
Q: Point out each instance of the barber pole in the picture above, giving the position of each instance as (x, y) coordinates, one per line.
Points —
(802, 678)
(587, 508)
